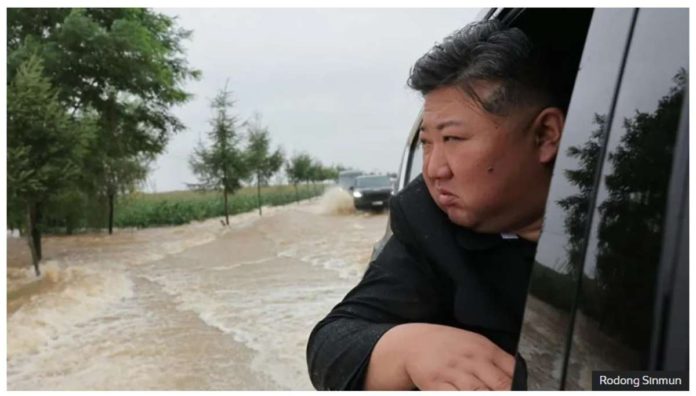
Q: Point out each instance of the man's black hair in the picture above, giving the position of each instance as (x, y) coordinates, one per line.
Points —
(488, 51)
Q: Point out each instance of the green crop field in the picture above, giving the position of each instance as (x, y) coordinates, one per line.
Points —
(180, 207)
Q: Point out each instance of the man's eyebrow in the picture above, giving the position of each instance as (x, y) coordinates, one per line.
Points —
(443, 125)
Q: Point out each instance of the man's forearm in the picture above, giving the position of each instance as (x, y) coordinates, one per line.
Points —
(387, 368)
(338, 350)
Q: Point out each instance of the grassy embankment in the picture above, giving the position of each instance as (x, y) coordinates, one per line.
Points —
(180, 207)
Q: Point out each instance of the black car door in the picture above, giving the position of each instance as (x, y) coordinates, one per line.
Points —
(615, 314)
(560, 253)
(591, 303)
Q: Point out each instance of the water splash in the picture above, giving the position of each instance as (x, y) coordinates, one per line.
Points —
(336, 201)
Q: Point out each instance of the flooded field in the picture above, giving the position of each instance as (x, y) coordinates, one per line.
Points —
(199, 306)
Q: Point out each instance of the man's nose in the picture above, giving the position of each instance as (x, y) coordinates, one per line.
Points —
(436, 165)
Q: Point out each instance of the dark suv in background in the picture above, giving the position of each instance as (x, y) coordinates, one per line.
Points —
(609, 287)
(372, 192)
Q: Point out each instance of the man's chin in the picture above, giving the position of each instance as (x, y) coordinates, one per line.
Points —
(459, 218)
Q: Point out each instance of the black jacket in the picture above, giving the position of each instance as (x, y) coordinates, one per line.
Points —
(432, 271)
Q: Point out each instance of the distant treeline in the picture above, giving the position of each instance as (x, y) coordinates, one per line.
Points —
(141, 210)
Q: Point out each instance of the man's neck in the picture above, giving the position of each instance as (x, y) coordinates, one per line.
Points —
(531, 232)
(532, 235)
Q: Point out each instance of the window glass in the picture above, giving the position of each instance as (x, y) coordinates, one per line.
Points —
(416, 161)
(614, 318)
(559, 257)
(372, 181)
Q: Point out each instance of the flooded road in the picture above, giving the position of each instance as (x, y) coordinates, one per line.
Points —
(199, 306)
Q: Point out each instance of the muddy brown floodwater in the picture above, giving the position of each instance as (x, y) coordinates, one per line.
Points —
(199, 306)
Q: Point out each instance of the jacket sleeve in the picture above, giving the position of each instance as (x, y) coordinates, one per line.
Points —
(398, 287)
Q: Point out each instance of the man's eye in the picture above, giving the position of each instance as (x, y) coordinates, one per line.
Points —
(452, 138)
(424, 142)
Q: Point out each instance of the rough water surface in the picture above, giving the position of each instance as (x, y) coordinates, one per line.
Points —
(199, 306)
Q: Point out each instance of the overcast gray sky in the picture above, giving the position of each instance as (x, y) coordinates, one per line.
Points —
(329, 82)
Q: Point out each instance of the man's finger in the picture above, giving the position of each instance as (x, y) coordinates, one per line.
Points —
(505, 362)
(491, 375)
(441, 386)
(469, 382)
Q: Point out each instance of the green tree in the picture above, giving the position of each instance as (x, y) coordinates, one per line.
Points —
(316, 172)
(298, 169)
(261, 163)
(90, 53)
(125, 65)
(328, 172)
(45, 148)
(222, 166)
(128, 147)
(331, 173)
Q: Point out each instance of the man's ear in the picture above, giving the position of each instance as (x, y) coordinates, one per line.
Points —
(547, 133)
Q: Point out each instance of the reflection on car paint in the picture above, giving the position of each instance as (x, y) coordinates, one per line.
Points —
(554, 276)
(616, 301)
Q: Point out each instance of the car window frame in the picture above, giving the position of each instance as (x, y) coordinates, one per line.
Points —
(667, 320)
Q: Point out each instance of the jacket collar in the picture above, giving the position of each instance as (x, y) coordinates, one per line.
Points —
(474, 241)
(471, 240)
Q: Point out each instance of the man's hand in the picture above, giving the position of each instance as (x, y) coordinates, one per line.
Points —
(435, 357)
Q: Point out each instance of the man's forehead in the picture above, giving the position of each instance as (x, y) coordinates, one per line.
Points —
(441, 124)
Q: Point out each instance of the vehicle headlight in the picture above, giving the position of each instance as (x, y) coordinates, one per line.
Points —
(357, 194)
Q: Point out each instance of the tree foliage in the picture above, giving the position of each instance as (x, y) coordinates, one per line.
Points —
(299, 168)
(115, 72)
(45, 147)
(303, 168)
(221, 166)
(261, 163)
(136, 53)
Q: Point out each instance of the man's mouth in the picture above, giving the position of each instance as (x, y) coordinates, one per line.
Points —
(445, 198)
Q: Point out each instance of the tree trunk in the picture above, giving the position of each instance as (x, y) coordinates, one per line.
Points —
(258, 193)
(36, 231)
(297, 195)
(111, 213)
(31, 226)
(227, 216)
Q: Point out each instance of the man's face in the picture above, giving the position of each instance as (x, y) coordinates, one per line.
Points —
(483, 170)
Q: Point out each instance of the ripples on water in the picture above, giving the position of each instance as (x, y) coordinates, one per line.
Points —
(192, 307)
